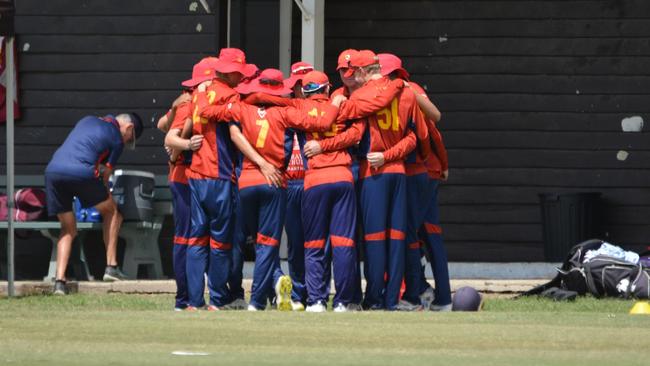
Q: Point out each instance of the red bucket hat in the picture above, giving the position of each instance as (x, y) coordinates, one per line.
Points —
(313, 81)
(298, 71)
(234, 60)
(360, 59)
(344, 59)
(270, 81)
(202, 71)
(390, 63)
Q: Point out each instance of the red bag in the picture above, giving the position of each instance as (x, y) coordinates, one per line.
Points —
(30, 204)
(4, 210)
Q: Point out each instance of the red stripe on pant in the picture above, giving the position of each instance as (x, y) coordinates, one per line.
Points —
(267, 240)
(341, 241)
(315, 244)
(181, 240)
(200, 241)
(219, 245)
(389, 233)
(432, 228)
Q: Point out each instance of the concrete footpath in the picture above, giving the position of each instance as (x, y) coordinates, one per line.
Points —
(26, 288)
(494, 279)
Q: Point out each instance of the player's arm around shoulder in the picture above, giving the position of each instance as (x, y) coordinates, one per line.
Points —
(311, 116)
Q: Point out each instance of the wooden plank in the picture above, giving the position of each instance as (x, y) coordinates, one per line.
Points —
(40, 155)
(471, 251)
(113, 25)
(502, 102)
(68, 117)
(498, 46)
(514, 158)
(595, 178)
(96, 99)
(113, 7)
(490, 214)
(452, 10)
(496, 27)
(531, 214)
(426, 63)
(52, 135)
(475, 193)
(542, 84)
(538, 121)
(119, 43)
(157, 168)
(546, 140)
(165, 80)
(493, 232)
(147, 62)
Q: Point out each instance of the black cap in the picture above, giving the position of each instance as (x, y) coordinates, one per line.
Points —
(137, 124)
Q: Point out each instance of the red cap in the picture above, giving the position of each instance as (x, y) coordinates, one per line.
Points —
(234, 60)
(202, 71)
(390, 63)
(270, 81)
(313, 81)
(344, 58)
(298, 71)
(360, 59)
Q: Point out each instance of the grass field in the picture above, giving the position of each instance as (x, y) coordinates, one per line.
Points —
(119, 329)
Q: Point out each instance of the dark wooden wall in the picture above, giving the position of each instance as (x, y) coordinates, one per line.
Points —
(97, 57)
(532, 93)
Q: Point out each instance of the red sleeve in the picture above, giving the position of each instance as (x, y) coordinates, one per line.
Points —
(421, 131)
(438, 145)
(221, 113)
(183, 112)
(402, 148)
(369, 99)
(310, 117)
(351, 136)
(267, 99)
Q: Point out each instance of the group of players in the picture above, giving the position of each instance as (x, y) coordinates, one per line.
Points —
(252, 152)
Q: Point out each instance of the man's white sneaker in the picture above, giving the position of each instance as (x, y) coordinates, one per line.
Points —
(252, 307)
(297, 306)
(316, 308)
(441, 308)
(283, 289)
(340, 308)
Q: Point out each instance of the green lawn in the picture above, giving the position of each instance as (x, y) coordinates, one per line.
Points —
(141, 330)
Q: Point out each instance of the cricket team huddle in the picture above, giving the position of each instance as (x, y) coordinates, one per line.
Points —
(351, 173)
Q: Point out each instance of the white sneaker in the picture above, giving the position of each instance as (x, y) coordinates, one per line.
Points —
(427, 297)
(316, 308)
(252, 307)
(297, 306)
(283, 289)
(340, 308)
(441, 308)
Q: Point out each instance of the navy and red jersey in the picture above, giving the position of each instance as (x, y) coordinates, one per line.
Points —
(177, 169)
(93, 141)
(215, 159)
(266, 128)
(437, 161)
(394, 131)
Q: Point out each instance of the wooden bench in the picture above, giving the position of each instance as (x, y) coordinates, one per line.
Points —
(141, 237)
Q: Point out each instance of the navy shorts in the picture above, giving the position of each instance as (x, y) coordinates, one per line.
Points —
(61, 189)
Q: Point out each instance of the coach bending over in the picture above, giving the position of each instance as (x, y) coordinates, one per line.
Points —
(75, 171)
